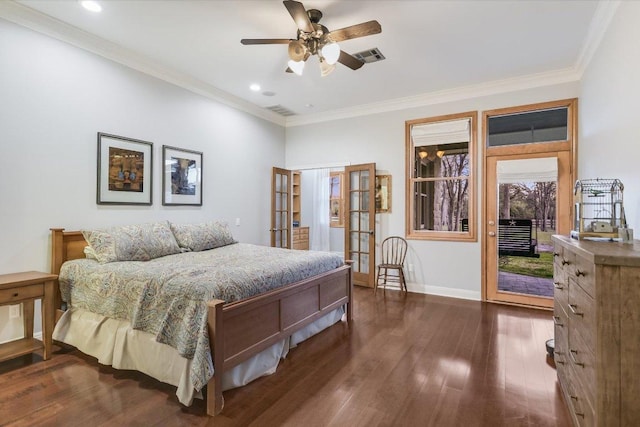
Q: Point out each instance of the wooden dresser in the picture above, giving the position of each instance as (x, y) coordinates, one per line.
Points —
(300, 238)
(597, 330)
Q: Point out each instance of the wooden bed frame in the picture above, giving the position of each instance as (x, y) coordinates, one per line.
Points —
(242, 329)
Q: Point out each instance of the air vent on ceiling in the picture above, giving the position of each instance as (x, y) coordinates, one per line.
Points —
(371, 55)
(281, 110)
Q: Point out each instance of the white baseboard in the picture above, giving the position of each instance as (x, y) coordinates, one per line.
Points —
(441, 291)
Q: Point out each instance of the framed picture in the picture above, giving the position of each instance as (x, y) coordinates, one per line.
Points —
(383, 193)
(181, 177)
(125, 171)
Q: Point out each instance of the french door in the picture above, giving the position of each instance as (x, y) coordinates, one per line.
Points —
(360, 226)
(511, 253)
(281, 208)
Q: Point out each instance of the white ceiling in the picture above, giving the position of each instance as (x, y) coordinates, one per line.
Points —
(430, 46)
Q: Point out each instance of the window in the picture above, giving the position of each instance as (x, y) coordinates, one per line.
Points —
(441, 160)
(336, 199)
(528, 127)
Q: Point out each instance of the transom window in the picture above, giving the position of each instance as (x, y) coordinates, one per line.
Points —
(440, 177)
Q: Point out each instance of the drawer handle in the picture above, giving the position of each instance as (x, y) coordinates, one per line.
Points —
(555, 358)
(15, 295)
(572, 355)
(575, 398)
(556, 321)
(565, 262)
(579, 273)
(573, 309)
(555, 254)
(558, 286)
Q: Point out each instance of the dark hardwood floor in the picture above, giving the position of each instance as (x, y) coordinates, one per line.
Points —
(415, 360)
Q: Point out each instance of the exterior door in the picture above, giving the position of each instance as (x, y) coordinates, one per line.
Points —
(360, 244)
(281, 208)
(511, 253)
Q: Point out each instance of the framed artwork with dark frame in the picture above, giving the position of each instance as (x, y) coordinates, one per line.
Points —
(383, 193)
(181, 177)
(125, 171)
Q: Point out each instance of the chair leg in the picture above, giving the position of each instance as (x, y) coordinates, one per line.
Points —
(375, 285)
(384, 283)
(403, 283)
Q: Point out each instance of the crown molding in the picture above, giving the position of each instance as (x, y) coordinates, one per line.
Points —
(37, 21)
(550, 78)
(600, 22)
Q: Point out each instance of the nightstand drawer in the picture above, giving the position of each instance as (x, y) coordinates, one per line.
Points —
(8, 296)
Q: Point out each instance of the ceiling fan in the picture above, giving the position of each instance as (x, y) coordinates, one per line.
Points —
(315, 39)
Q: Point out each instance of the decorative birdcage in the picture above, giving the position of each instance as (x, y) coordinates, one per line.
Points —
(599, 210)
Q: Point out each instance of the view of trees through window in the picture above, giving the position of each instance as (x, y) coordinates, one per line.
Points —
(442, 187)
(529, 200)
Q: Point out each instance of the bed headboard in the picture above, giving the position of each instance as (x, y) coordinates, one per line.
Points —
(65, 246)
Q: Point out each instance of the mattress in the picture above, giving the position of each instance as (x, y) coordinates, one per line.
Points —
(166, 297)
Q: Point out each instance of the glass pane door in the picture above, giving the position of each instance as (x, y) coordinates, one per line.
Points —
(360, 229)
(280, 208)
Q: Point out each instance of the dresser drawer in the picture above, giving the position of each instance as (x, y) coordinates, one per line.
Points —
(560, 286)
(582, 361)
(8, 296)
(582, 314)
(580, 406)
(584, 272)
(560, 339)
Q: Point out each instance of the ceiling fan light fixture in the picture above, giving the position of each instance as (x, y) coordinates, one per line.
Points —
(297, 50)
(330, 52)
(326, 68)
(296, 66)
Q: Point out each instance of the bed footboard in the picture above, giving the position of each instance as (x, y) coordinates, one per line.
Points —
(238, 331)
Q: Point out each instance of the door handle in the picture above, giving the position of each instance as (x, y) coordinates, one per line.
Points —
(492, 233)
(370, 232)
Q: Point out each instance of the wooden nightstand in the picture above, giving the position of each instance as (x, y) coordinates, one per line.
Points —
(24, 288)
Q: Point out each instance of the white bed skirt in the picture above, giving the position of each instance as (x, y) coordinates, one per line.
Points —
(114, 343)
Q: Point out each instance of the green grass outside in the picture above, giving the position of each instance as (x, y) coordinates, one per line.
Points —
(536, 267)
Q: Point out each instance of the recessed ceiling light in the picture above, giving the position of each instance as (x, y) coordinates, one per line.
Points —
(255, 87)
(91, 5)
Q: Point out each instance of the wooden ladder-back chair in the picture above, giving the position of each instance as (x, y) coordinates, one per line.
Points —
(391, 269)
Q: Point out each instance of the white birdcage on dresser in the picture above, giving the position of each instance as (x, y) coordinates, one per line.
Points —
(599, 210)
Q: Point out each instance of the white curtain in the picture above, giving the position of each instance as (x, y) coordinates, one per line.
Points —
(319, 237)
(528, 170)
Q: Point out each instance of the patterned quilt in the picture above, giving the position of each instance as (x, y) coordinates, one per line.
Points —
(168, 296)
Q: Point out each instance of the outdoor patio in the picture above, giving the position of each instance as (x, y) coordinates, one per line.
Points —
(519, 283)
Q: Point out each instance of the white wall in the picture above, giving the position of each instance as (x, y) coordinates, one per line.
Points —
(445, 268)
(54, 98)
(609, 121)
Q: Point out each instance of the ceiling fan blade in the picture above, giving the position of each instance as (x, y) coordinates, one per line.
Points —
(265, 41)
(349, 60)
(355, 31)
(299, 15)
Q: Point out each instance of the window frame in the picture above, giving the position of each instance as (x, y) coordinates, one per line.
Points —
(471, 235)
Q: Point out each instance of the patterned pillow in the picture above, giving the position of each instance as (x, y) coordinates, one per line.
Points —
(132, 242)
(200, 237)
